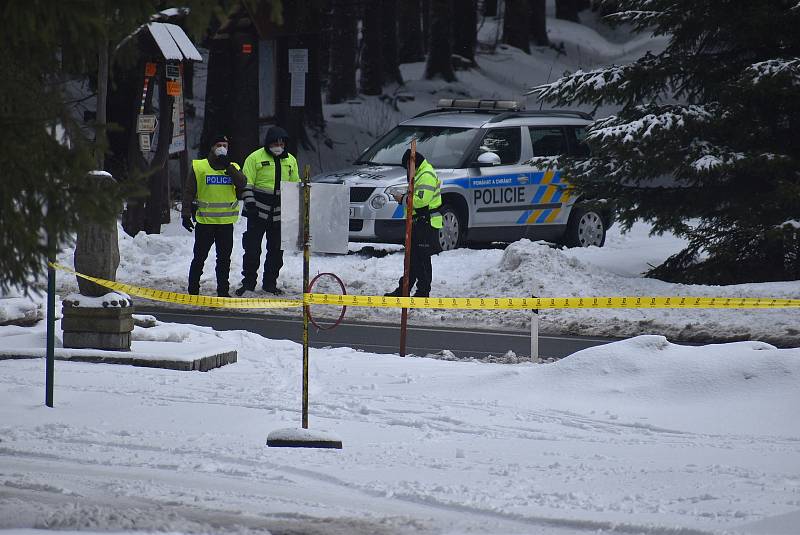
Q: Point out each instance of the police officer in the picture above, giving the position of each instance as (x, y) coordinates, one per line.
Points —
(265, 169)
(425, 224)
(210, 197)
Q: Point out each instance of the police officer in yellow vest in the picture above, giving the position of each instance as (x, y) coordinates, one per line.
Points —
(265, 169)
(425, 224)
(210, 197)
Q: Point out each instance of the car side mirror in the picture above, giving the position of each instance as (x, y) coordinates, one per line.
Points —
(488, 159)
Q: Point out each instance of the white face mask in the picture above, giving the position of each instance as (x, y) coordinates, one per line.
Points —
(221, 151)
(276, 150)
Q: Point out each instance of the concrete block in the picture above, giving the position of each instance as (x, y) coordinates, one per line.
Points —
(97, 340)
(97, 328)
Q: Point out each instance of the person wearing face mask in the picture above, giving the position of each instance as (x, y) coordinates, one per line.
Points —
(211, 199)
(265, 169)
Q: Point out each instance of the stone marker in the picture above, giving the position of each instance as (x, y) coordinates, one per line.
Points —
(103, 325)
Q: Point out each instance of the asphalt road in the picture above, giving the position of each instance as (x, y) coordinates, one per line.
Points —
(383, 337)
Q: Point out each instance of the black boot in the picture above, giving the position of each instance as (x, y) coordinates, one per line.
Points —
(241, 291)
(397, 292)
(272, 288)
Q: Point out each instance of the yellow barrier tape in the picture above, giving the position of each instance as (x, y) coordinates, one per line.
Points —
(518, 303)
(464, 303)
(186, 299)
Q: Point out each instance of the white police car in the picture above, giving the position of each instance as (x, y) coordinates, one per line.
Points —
(480, 150)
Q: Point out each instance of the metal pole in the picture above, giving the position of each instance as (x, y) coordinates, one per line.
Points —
(51, 320)
(535, 335)
(306, 262)
(407, 258)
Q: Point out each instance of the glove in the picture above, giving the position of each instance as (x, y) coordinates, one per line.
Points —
(250, 210)
(223, 161)
(187, 223)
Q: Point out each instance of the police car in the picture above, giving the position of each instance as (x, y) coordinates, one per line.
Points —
(481, 151)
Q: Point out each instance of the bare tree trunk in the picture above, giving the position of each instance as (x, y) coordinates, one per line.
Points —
(516, 25)
(325, 45)
(425, 7)
(439, 61)
(218, 109)
(188, 80)
(372, 52)
(313, 108)
(152, 222)
(410, 32)
(344, 42)
(159, 165)
(97, 244)
(391, 67)
(96, 248)
(539, 22)
(102, 102)
(241, 121)
(465, 22)
(567, 10)
(303, 18)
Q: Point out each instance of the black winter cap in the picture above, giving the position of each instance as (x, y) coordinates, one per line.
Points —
(274, 134)
(219, 138)
(418, 159)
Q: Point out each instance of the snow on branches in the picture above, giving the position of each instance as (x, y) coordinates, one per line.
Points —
(668, 120)
(582, 86)
(709, 157)
(616, 83)
(774, 68)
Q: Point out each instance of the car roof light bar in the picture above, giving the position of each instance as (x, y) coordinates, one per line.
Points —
(480, 104)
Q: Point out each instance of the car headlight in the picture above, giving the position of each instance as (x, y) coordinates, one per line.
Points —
(378, 201)
(402, 189)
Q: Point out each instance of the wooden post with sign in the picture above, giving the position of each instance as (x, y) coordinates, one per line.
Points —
(150, 140)
(306, 203)
(412, 166)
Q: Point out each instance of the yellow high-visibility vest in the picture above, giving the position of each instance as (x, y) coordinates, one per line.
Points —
(216, 195)
(428, 193)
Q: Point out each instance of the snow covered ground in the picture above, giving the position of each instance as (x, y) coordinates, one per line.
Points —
(640, 436)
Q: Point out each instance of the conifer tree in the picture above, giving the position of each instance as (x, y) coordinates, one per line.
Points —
(46, 146)
(705, 143)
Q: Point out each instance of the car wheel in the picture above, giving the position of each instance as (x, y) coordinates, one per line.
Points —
(585, 228)
(451, 234)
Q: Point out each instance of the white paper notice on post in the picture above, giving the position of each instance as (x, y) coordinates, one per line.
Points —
(298, 94)
(298, 60)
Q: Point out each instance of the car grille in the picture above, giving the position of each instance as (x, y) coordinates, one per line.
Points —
(360, 194)
(356, 225)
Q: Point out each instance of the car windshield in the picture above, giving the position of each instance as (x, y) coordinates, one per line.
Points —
(444, 147)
